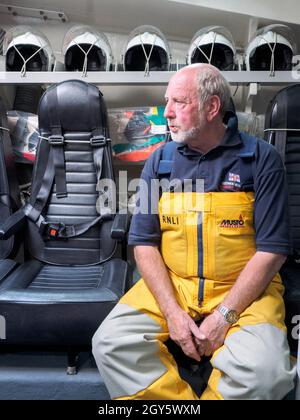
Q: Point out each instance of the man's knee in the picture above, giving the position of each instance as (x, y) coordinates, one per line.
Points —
(101, 340)
(124, 330)
(255, 363)
(272, 377)
(271, 365)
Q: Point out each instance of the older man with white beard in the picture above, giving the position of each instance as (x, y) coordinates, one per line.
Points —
(209, 263)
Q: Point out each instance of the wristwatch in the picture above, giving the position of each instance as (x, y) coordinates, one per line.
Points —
(230, 315)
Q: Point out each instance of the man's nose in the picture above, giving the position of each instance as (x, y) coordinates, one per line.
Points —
(169, 111)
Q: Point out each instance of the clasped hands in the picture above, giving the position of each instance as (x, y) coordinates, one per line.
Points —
(198, 341)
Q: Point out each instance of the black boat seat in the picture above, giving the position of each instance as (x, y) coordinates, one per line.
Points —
(9, 196)
(282, 130)
(73, 276)
(59, 304)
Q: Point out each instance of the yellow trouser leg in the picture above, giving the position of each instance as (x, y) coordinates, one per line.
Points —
(254, 361)
(169, 386)
(130, 352)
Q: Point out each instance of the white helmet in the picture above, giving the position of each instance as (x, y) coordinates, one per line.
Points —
(27, 50)
(213, 45)
(146, 50)
(86, 49)
(272, 48)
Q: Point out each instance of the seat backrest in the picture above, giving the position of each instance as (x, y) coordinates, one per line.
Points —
(79, 110)
(9, 189)
(283, 131)
(282, 126)
(298, 374)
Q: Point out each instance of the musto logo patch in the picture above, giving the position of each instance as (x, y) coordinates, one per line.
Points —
(233, 223)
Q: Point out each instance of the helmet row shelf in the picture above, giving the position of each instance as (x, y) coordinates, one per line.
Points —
(85, 49)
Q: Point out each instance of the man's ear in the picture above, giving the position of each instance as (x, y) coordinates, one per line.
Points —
(213, 105)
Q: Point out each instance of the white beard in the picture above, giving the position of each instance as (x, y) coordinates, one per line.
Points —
(185, 136)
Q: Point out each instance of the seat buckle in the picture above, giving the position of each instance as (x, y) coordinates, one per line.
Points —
(98, 141)
(52, 230)
(56, 140)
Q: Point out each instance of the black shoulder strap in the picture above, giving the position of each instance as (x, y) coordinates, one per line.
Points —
(56, 140)
(99, 125)
(34, 209)
(167, 158)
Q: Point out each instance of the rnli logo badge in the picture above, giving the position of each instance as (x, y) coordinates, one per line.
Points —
(233, 183)
(234, 178)
(233, 223)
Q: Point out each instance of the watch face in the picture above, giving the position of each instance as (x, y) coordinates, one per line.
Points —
(232, 317)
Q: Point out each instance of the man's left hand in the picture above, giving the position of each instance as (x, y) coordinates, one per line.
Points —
(214, 328)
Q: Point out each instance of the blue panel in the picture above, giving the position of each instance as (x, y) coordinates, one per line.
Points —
(200, 258)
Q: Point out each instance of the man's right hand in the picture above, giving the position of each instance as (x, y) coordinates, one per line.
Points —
(183, 331)
(182, 328)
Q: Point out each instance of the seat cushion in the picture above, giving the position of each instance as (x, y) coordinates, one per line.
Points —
(58, 305)
(290, 274)
(6, 267)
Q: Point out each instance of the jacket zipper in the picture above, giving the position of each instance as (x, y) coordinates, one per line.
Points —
(200, 291)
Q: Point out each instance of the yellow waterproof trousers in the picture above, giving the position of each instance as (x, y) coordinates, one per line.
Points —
(207, 239)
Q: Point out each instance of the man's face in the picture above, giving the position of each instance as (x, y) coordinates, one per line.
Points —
(183, 112)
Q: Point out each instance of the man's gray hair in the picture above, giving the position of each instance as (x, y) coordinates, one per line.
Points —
(212, 82)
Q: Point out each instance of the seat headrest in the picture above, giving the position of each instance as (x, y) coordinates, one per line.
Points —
(79, 106)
